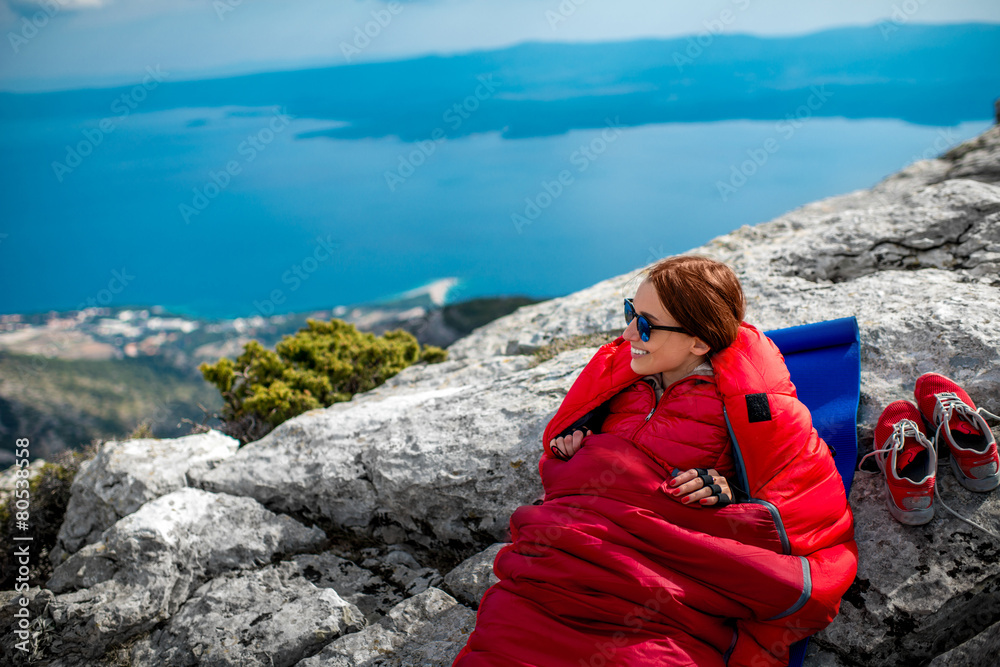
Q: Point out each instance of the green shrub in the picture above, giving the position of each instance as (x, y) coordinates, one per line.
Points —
(322, 364)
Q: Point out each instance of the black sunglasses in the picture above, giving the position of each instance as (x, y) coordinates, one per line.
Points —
(643, 325)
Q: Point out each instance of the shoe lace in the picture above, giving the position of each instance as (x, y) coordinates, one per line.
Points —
(965, 519)
(987, 413)
(905, 428)
(901, 430)
(948, 403)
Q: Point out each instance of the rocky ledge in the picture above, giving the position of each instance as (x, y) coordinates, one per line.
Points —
(364, 533)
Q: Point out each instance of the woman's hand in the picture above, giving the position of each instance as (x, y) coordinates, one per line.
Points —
(567, 446)
(694, 487)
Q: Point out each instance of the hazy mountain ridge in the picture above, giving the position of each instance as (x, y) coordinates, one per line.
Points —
(537, 89)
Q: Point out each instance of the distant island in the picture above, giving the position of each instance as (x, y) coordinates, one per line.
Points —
(887, 70)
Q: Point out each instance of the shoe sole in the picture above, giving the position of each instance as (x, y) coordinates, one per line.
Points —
(978, 485)
(908, 517)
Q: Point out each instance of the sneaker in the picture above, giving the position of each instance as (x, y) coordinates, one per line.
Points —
(973, 449)
(908, 461)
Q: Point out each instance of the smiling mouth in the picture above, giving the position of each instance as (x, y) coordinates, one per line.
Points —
(636, 352)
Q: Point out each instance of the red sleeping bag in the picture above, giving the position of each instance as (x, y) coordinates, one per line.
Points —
(609, 570)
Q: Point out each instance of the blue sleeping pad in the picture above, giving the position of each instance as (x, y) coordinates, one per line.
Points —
(824, 360)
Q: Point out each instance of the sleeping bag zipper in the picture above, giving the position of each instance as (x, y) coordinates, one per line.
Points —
(656, 401)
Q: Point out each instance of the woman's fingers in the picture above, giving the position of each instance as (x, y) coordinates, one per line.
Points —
(574, 442)
(683, 478)
(724, 490)
(690, 480)
(568, 445)
(694, 486)
(558, 448)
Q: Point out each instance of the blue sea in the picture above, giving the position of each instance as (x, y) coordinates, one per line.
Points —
(213, 212)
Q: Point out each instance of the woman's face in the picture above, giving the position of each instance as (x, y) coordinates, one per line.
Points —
(669, 352)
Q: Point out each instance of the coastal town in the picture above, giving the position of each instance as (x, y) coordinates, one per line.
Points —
(103, 332)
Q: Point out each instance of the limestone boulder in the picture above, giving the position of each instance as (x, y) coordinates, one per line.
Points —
(426, 629)
(920, 590)
(372, 594)
(147, 564)
(980, 651)
(125, 475)
(436, 466)
(263, 618)
(470, 579)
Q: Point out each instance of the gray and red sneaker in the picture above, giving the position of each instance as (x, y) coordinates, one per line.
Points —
(908, 461)
(973, 449)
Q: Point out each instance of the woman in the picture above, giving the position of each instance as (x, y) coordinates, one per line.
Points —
(636, 555)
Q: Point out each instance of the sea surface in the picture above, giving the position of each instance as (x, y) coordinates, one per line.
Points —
(228, 212)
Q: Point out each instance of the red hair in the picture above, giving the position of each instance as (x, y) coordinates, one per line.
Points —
(703, 295)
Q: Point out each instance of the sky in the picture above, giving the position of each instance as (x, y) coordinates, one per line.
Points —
(62, 44)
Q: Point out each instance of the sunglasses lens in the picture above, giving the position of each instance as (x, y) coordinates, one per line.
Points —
(643, 326)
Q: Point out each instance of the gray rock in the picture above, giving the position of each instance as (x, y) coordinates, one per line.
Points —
(980, 651)
(125, 475)
(359, 586)
(437, 642)
(427, 629)
(269, 617)
(402, 569)
(473, 576)
(372, 646)
(149, 562)
(978, 158)
(369, 465)
(919, 589)
(818, 657)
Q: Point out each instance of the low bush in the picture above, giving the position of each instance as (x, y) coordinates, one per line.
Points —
(322, 364)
